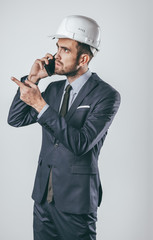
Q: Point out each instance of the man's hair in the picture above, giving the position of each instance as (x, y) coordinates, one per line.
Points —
(84, 49)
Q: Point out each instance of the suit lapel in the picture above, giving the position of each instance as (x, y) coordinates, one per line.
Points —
(85, 90)
(58, 97)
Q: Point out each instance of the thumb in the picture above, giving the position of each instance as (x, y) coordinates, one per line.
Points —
(30, 84)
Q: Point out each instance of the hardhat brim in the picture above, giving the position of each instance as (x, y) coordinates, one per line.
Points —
(59, 36)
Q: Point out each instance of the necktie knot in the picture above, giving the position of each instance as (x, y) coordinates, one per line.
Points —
(68, 88)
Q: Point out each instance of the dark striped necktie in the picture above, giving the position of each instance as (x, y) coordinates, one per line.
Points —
(65, 103)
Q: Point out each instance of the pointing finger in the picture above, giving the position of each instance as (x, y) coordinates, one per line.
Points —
(20, 84)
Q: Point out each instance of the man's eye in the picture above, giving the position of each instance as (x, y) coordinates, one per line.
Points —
(66, 50)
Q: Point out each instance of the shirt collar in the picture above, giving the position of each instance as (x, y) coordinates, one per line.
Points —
(79, 82)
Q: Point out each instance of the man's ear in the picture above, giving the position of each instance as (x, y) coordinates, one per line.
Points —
(84, 59)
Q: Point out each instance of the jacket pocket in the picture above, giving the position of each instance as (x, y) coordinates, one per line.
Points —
(83, 170)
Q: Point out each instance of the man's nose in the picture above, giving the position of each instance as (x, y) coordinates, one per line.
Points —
(57, 55)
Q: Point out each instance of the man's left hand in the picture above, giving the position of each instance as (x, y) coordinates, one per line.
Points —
(30, 94)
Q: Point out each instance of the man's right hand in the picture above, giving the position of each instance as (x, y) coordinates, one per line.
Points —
(38, 71)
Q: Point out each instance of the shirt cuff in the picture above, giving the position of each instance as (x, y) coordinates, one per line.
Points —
(26, 78)
(42, 111)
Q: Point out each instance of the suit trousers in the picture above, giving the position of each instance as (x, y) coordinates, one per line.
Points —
(51, 224)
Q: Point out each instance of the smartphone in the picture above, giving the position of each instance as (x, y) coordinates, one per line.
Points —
(50, 68)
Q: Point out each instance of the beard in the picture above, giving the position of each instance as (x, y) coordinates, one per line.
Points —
(69, 71)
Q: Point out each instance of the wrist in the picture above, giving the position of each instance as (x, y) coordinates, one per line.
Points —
(39, 105)
(33, 79)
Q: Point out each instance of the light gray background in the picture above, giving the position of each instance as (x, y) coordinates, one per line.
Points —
(124, 62)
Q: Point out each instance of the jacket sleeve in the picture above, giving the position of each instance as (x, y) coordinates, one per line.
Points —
(80, 141)
(21, 114)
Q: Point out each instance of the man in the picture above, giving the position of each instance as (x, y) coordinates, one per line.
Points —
(75, 115)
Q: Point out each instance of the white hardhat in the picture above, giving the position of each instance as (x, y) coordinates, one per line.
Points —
(81, 29)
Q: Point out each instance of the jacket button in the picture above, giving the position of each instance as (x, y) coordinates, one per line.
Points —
(56, 144)
(46, 126)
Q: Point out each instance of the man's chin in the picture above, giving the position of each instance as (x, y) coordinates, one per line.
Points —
(68, 74)
(59, 72)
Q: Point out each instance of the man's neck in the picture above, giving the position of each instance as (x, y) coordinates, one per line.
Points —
(80, 72)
